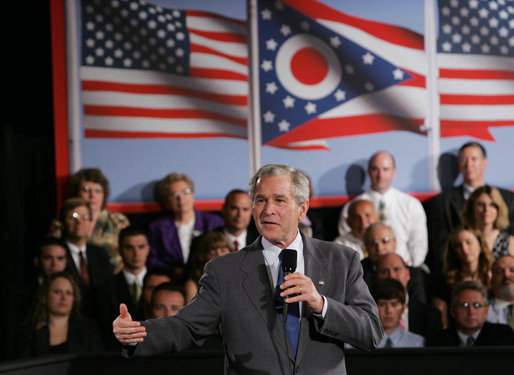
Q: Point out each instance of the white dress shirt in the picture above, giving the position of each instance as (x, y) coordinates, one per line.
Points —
(75, 250)
(406, 216)
(241, 239)
(348, 239)
(498, 311)
(403, 339)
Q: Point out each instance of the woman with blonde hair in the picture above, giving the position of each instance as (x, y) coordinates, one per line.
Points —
(486, 211)
(55, 324)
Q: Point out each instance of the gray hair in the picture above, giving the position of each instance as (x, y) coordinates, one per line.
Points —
(300, 180)
(468, 285)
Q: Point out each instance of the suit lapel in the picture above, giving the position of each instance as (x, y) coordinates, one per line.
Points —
(257, 286)
(315, 268)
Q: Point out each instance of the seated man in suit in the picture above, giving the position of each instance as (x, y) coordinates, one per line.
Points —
(51, 258)
(444, 209)
(501, 305)
(389, 294)
(379, 240)
(273, 320)
(153, 278)
(167, 300)
(237, 213)
(418, 317)
(361, 215)
(128, 284)
(402, 212)
(469, 308)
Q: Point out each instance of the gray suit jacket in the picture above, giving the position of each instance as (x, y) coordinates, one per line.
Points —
(235, 292)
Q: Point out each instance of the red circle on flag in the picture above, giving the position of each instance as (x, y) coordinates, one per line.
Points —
(309, 66)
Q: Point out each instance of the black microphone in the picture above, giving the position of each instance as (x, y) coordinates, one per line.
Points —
(288, 266)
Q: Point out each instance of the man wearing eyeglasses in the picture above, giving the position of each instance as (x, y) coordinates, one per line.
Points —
(469, 309)
(379, 240)
(501, 308)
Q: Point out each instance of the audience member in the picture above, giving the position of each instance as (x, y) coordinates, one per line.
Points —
(466, 258)
(311, 225)
(91, 185)
(237, 213)
(486, 212)
(361, 214)
(128, 284)
(55, 324)
(153, 278)
(170, 236)
(389, 294)
(444, 211)
(402, 212)
(50, 259)
(167, 300)
(418, 317)
(501, 308)
(469, 309)
(210, 246)
(378, 240)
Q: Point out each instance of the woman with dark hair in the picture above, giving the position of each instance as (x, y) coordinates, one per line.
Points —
(466, 257)
(210, 246)
(91, 185)
(486, 212)
(55, 324)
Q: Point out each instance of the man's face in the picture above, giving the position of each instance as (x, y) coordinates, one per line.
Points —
(181, 199)
(237, 212)
(77, 223)
(52, 259)
(390, 312)
(151, 283)
(472, 165)
(469, 318)
(392, 266)
(381, 172)
(133, 251)
(502, 282)
(379, 241)
(360, 216)
(167, 303)
(275, 210)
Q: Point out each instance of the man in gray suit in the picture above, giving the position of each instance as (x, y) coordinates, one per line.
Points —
(237, 292)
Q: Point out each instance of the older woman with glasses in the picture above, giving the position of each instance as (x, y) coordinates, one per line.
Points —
(55, 324)
(171, 235)
(486, 212)
(466, 257)
(91, 185)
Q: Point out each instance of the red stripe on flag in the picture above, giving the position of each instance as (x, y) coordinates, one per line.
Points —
(199, 13)
(477, 129)
(96, 133)
(160, 113)
(217, 74)
(477, 99)
(163, 90)
(219, 36)
(347, 126)
(393, 34)
(417, 80)
(203, 49)
(476, 74)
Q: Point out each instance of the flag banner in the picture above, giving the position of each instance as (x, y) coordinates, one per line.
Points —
(476, 66)
(306, 69)
(152, 72)
(324, 74)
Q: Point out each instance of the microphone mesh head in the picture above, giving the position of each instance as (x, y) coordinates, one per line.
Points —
(289, 260)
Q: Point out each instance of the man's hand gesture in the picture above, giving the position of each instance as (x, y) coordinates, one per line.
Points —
(126, 330)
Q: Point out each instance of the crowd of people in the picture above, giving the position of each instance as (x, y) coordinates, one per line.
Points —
(442, 275)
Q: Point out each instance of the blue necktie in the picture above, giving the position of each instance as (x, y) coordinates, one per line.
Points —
(293, 312)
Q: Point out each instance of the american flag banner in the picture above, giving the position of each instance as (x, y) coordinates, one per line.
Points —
(327, 74)
(476, 66)
(152, 72)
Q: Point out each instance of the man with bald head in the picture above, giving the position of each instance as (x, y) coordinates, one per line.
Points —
(379, 240)
(501, 308)
(361, 214)
(399, 210)
(418, 317)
